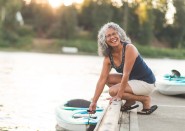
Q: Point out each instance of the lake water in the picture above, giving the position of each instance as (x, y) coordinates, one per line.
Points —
(32, 85)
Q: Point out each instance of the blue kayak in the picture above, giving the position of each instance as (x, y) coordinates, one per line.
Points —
(171, 84)
(76, 118)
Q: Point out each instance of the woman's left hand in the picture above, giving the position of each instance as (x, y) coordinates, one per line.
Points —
(117, 97)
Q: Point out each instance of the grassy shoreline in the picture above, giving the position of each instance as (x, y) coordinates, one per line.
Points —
(89, 47)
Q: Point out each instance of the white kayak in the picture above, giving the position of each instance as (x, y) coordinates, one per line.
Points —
(170, 85)
(75, 118)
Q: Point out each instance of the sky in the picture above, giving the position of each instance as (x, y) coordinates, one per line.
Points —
(170, 13)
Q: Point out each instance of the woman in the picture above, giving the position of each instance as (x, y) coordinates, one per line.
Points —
(134, 81)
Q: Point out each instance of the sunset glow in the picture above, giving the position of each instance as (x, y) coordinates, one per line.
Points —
(57, 3)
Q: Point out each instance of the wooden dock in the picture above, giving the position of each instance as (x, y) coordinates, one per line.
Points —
(115, 120)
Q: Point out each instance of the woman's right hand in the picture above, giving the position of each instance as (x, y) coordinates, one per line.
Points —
(92, 108)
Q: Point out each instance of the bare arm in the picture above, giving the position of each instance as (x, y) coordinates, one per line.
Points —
(102, 79)
(100, 84)
(130, 57)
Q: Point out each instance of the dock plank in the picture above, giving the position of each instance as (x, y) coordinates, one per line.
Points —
(111, 118)
(134, 126)
(125, 122)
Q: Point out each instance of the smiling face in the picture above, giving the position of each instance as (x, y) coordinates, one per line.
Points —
(112, 37)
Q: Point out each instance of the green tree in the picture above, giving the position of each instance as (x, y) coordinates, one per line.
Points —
(85, 18)
(179, 24)
(129, 20)
(102, 14)
(117, 15)
(159, 22)
(67, 22)
(40, 16)
(9, 24)
(145, 16)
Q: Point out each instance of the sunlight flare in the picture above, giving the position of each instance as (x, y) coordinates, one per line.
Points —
(57, 3)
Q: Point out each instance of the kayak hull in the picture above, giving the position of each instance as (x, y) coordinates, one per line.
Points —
(170, 89)
(76, 118)
(170, 86)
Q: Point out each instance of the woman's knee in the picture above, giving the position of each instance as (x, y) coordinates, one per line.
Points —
(113, 91)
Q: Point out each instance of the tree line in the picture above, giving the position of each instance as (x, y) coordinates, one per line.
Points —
(143, 20)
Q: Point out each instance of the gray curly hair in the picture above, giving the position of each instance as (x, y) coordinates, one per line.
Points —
(103, 48)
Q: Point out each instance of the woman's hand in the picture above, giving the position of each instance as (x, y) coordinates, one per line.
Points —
(92, 108)
(115, 98)
(120, 94)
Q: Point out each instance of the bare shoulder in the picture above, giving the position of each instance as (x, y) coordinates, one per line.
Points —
(106, 60)
(131, 48)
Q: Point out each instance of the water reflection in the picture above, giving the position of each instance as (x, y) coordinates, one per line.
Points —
(33, 84)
